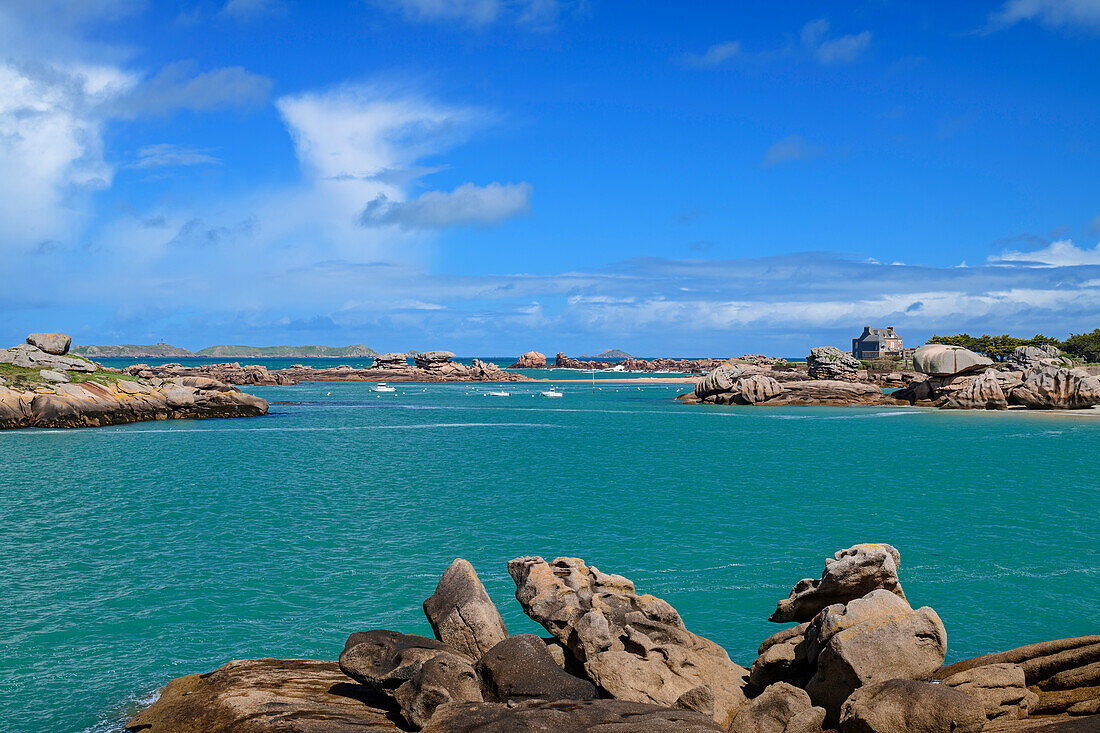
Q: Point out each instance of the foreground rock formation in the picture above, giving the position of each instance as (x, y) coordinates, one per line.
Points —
(49, 389)
(530, 360)
(861, 661)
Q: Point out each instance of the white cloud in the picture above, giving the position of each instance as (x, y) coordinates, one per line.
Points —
(1062, 253)
(1080, 14)
(465, 206)
(842, 50)
(716, 55)
(165, 155)
(790, 149)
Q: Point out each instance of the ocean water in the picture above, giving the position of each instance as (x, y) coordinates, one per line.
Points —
(131, 555)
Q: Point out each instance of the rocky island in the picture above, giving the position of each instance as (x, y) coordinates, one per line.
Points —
(946, 377)
(855, 655)
(41, 385)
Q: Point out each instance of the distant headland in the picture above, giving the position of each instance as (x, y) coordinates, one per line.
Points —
(167, 351)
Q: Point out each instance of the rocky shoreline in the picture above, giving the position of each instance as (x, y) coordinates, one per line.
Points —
(946, 377)
(855, 657)
(44, 387)
(432, 366)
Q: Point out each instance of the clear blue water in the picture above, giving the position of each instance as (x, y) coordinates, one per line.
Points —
(130, 555)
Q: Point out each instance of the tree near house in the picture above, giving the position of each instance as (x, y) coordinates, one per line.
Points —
(996, 348)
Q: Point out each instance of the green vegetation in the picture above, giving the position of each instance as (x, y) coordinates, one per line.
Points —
(996, 348)
(131, 351)
(296, 352)
(24, 378)
(1085, 346)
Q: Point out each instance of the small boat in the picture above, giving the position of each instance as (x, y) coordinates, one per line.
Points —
(500, 394)
(383, 387)
(552, 393)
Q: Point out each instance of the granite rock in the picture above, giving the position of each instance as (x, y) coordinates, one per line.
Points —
(444, 678)
(51, 343)
(851, 573)
(980, 393)
(781, 708)
(943, 360)
(634, 646)
(909, 706)
(461, 613)
(829, 362)
(521, 668)
(1001, 688)
(1023, 358)
(530, 360)
(568, 716)
(1052, 387)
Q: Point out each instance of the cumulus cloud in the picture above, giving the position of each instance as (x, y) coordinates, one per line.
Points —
(1063, 253)
(826, 50)
(1069, 14)
(716, 55)
(166, 155)
(467, 205)
(791, 148)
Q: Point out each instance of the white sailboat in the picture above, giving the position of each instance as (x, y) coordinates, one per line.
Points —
(552, 393)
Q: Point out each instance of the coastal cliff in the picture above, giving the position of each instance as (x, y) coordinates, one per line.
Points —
(42, 386)
(855, 655)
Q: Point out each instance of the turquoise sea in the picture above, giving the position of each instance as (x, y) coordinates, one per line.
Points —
(130, 555)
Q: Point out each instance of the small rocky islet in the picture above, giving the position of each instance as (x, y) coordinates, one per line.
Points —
(856, 656)
(41, 385)
(946, 377)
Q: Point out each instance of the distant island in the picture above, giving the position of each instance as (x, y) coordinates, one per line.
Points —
(609, 354)
(167, 351)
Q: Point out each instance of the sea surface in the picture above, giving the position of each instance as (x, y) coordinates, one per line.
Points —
(134, 554)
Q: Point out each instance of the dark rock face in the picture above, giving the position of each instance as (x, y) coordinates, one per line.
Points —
(829, 362)
(782, 658)
(850, 574)
(520, 668)
(635, 647)
(911, 706)
(461, 613)
(444, 678)
(568, 716)
(266, 695)
(781, 708)
(530, 360)
(51, 343)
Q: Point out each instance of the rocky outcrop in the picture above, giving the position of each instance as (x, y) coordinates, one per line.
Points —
(29, 356)
(398, 370)
(417, 673)
(461, 613)
(530, 360)
(983, 392)
(569, 716)
(782, 657)
(1048, 386)
(266, 695)
(829, 362)
(51, 343)
(230, 373)
(1002, 689)
(631, 364)
(828, 392)
(520, 668)
(392, 360)
(635, 647)
(943, 360)
(720, 379)
(848, 575)
(1023, 358)
(897, 705)
(781, 708)
(433, 360)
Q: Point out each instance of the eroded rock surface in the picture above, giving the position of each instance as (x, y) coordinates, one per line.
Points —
(634, 646)
(850, 574)
(51, 343)
(829, 362)
(781, 708)
(568, 716)
(1001, 688)
(1051, 387)
(267, 695)
(908, 706)
(461, 613)
(521, 668)
(943, 360)
(530, 360)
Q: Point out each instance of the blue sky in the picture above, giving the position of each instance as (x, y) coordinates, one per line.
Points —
(493, 176)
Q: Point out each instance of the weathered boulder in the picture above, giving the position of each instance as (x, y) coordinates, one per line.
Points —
(905, 645)
(1052, 387)
(850, 574)
(461, 613)
(31, 357)
(981, 393)
(266, 695)
(1001, 688)
(433, 360)
(520, 668)
(829, 362)
(51, 343)
(721, 379)
(909, 706)
(1023, 358)
(1044, 658)
(530, 360)
(781, 708)
(392, 360)
(568, 716)
(941, 360)
(782, 658)
(830, 392)
(635, 647)
(757, 388)
(442, 679)
(54, 375)
(838, 617)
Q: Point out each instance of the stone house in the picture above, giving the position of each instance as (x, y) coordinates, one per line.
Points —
(877, 342)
